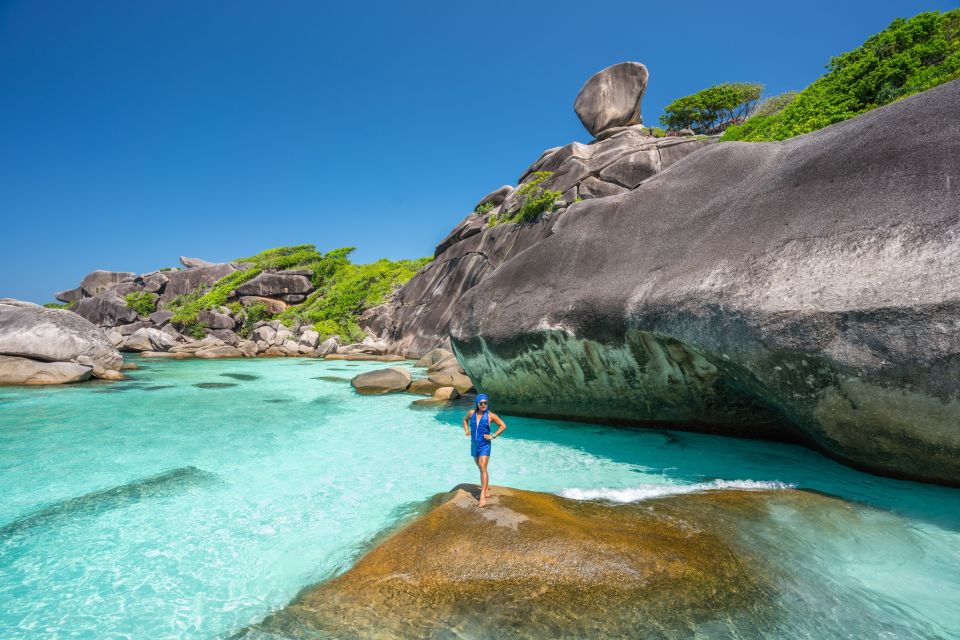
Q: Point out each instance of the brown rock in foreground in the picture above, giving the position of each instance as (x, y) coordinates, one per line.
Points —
(536, 565)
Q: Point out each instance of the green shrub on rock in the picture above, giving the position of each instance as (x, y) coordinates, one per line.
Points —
(335, 307)
(534, 201)
(907, 57)
(142, 302)
(251, 315)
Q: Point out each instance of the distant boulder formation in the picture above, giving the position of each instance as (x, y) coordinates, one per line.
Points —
(624, 155)
(51, 346)
(192, 263)
(611, 98)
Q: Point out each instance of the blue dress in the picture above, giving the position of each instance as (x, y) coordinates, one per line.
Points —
(479, 427)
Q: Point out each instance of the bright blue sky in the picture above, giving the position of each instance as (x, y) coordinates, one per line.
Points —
(134, 132)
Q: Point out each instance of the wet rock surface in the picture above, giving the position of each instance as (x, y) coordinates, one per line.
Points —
(536, 565)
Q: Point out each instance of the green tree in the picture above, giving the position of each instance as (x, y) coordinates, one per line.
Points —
(710, 107)
(907, 57)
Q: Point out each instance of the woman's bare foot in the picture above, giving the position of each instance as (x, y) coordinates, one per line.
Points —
(487, 494)
(483, 502)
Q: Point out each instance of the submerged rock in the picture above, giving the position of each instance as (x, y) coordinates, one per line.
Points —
(799, 290)
(536, 565)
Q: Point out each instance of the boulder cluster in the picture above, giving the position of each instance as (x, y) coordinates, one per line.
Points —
(801, 290)
(52, 346)
(623, 155)
(444, 381)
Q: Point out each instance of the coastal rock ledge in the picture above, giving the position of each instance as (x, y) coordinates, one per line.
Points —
(537, 565)
(805, 290)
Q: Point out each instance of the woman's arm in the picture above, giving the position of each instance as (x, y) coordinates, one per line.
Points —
(502, 427)
(466, 418)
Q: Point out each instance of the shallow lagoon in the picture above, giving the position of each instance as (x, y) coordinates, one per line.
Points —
(199, 496)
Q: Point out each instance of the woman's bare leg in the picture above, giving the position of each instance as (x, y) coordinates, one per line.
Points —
(484, 479)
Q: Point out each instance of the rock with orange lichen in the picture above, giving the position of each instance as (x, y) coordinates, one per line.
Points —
(536, 565)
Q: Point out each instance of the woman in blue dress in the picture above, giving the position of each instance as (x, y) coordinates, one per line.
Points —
(476, 425)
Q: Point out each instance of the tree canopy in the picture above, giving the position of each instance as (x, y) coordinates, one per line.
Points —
(907, 57)
(713, 106)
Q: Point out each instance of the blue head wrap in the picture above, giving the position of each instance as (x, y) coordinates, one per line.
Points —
(480, 397)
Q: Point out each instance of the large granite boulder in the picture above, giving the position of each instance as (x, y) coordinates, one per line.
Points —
(53, 335)
(70, 295)
(215, 320)
(105, 310)
(193, 263)
(275, 284)
(96, 282)
(417, 318)
(24, 371)
(148, 339)
(804, 290)
(535, 565)
(382, 381)
(187, 280)
(611, 98)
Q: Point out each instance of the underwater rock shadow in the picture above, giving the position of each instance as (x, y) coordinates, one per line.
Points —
(246, 377)
(96, 502)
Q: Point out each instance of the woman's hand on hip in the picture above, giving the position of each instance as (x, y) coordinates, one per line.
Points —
(487, 436)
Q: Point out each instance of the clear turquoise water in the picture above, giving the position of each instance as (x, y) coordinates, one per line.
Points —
(158, 509)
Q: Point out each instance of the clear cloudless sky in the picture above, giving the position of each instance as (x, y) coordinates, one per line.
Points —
(135, 132)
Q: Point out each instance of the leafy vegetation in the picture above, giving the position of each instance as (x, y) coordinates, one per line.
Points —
(142, 302)
(534, 201)
(304, 256)
(775, 104)
(484, 208)
(704, 110)
(343, 291)
(58, 305)
(907, 57)
(336, 305)
(252, 314)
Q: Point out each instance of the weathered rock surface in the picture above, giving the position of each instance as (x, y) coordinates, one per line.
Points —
(417, 318)
(161, 318)
(224, 351)
(193, 263)
(807, 289)
(214, 320)
(96, 282)
(52, 335)
(611, 98)
(17, 371)
(535, 565)
(105, 310)
(70, 295)
(185, 281)
(273, 306)
(275, 284)
(148, 340)
(382, 381)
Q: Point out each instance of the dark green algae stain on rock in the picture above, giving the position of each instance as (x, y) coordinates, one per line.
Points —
(214, 385)
(536, 565)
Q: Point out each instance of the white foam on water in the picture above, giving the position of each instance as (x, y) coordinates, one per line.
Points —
(648, 491)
